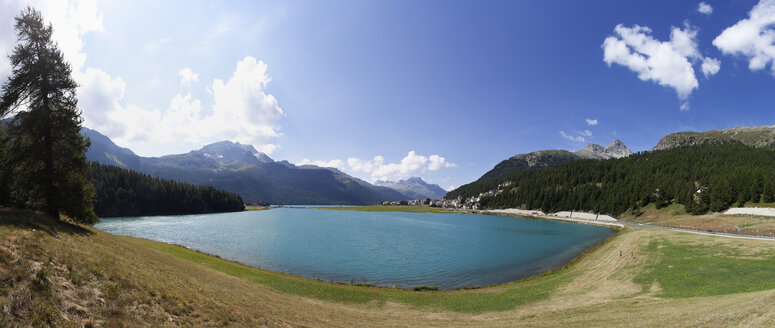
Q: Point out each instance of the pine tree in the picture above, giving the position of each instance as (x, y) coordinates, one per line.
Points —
(48, 160)
(5, 173)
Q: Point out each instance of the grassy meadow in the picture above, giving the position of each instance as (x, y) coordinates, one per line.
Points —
(257, 208)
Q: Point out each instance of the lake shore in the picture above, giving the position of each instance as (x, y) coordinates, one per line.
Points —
(388, 249)
(506, 212)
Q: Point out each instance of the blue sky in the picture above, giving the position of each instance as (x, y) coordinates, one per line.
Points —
(391, 89)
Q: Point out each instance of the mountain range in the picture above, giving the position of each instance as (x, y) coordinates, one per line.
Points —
(414, 188)
(242, 169)
(547, 158)
(752, 136)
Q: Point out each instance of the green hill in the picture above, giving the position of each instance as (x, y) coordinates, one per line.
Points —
(702, 178)
(537, 160)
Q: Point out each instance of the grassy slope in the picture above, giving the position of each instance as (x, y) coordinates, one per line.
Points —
(675, 216)
(674, 279)
(380, 208)
(256, 208)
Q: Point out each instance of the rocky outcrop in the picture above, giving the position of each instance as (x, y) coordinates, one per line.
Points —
(616, 149)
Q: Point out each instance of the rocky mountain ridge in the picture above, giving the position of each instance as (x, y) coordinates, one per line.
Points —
(241, 169)
(414, 188)
(547, 158)
(754, 136)
(616, 149)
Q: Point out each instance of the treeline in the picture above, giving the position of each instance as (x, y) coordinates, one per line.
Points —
(122, 192)
(702, 178)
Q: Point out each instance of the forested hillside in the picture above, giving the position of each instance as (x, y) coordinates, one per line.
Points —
(122, 192)
(703, 178)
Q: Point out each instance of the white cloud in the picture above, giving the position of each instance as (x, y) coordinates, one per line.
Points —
(752, 37)
(70, 19)
(592, 122)
(705, 8)
(99, 95)
(571, 138)
(8, 10)
(586, 133)
(375, 169)
(242, 111)
(335, 163)
(668, 63)
(437, 163)
(710, 66)
(187, 76)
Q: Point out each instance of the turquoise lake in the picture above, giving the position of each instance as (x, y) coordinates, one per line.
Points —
(380, 248)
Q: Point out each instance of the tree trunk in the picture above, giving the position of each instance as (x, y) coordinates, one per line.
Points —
(48, 144)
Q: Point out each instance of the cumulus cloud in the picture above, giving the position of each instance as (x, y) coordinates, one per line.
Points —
(437, 163)
(667, 63)
(335, 163)
(752, 37)
(377, 169)
(591, 122)
(572, 138)
(710, 66)
(8, 9)
(242, 111)
(187, 76)
(586, 133)
(70, 19)
(705, 8)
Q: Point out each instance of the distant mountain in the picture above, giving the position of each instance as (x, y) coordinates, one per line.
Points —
(538, 159)
(241, 169)
(616, 149)
(547, 158)
(755, 136)
(414, 188)
(542, 159)
(104, 151)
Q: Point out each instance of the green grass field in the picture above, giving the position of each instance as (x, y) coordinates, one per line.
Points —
(257, 208)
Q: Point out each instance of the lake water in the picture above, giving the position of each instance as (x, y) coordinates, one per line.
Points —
(381, 248)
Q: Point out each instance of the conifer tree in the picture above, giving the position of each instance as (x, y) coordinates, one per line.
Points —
(47, 151)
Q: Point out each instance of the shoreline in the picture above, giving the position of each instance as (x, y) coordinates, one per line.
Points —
(607, 224)
(550, 270)
(559, 268)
